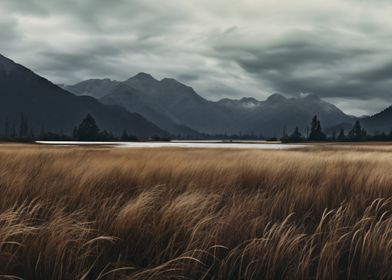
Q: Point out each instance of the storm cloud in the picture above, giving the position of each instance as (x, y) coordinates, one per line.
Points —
(340, 50)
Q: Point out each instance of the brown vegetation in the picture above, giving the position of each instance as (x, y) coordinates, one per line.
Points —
(102, 213)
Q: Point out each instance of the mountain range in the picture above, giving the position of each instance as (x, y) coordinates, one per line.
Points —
(145, 107)
(180, 110)
(50, 108)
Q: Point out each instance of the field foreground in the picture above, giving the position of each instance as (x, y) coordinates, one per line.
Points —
(104, 213)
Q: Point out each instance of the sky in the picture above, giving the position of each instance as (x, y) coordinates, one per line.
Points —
(340, 50)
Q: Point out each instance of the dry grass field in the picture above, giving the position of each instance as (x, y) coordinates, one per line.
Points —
(106, 213)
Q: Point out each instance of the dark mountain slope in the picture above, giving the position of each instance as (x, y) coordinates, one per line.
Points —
(272, 116)
(52, 108)
(380, 122)
(169, 103)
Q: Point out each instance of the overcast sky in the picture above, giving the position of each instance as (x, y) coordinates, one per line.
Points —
(340, 50)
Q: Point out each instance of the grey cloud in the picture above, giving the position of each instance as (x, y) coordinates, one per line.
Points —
(315, 62)
(7, 31)
(24, 7)
(338, 49)
(381, 73)
(58, 65)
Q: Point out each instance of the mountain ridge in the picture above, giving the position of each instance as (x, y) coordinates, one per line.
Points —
(175, 106)
(49, 107)
(182, 105)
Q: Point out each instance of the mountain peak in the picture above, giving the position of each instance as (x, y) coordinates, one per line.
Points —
(144, 76)
(276, 98)
(141, 80)
(48, 106)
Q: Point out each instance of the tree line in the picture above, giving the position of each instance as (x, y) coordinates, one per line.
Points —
(87, 130)
(356, 134)
(17, 130)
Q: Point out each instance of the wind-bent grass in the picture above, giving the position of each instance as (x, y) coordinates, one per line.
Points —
(101, 213)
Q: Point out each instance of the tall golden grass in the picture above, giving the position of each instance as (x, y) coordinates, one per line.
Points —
(102, 213)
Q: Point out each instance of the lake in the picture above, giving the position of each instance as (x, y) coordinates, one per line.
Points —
(184, 144)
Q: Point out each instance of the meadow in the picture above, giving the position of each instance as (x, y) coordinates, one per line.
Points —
(323, 212)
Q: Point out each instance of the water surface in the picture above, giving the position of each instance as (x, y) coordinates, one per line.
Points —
(184, 144)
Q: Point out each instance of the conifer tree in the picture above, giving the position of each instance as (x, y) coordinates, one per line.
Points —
(316, 133)
(88, 129)
(357, 133)
(341, 136)
(296, 136)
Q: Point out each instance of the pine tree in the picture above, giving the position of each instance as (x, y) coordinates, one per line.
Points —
(357, 129)
(296, 136)
(341, 136)
(313, 129)
(357, 133)
(88, 129)
(316, 133)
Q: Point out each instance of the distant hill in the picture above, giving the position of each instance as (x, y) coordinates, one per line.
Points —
(177, 107)
(96, 88)
(51, 108)
(168, 103)
(379, 122)
(278, 112)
